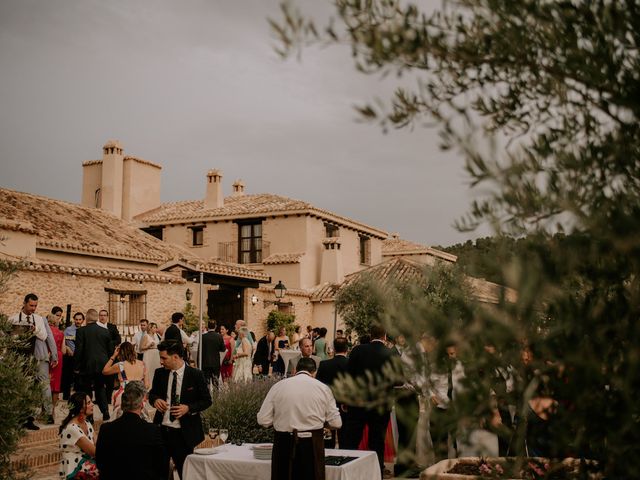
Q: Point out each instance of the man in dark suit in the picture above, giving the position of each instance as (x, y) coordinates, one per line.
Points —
(175, 332)
(179, 393)
(93, 349)
(212, 346)
(103, 320)
(328, 372)
(264, 353)
(130, 447)
(369, 357)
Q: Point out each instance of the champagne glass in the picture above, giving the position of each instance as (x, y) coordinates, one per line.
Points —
(224, 434)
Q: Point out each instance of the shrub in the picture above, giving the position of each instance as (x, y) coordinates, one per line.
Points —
(192, 319)
(235, 407)
(19, 396)
(277, 319)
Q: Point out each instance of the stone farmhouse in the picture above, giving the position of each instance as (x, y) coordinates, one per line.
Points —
(124, 250)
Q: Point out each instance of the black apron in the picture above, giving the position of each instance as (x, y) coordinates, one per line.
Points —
(295, 457)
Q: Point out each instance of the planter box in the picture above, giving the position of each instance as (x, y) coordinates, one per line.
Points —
(440, 469)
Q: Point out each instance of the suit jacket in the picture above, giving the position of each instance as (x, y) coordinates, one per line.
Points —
(262, 355)
(329, 369)
(369, 357)
(194, 393)
(212, 346)
(130, 447)
(93, 348)
(116, 339)
(173, 333)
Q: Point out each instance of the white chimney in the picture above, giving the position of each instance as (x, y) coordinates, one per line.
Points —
(214, 198)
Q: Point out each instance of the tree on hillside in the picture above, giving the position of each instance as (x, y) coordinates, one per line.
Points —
(543, 100)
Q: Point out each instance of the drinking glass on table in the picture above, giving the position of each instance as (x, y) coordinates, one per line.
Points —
(224, 434)
(213, 433)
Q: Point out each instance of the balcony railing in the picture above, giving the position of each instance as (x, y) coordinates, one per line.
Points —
(228, 251)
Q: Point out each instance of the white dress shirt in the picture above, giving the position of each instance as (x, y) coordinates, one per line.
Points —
(137, 340)
(33, 319)
(166, 420)
(299, 403)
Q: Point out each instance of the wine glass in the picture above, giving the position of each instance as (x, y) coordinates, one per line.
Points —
(224, 434)
(213, 433)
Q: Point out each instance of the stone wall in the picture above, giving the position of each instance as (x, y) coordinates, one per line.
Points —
(84, 292)
(256, 315)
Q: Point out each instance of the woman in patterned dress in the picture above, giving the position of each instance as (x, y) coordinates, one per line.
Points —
(76, 440)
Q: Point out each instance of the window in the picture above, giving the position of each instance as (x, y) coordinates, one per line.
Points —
(250, 242)
(331, 230)
(154, 232)
(365, 250)
(126, 309)
(197, 236)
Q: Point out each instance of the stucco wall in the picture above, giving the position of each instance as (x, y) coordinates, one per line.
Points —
(18, 244)
(91, 181)
(141, 188)
(323, 316)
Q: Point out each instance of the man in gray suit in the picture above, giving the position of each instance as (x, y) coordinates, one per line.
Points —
(43, 346)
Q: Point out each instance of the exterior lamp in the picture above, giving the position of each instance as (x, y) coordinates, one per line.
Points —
(254, 299)
(280, 290)
(188, 294)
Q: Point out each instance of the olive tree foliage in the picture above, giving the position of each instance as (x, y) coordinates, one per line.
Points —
(543, 100)
(19, 392)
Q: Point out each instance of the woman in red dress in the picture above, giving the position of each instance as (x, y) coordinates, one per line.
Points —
(55, 373)
(226, 367)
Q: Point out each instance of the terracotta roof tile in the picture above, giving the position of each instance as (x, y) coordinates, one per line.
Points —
(70, 227)
(225, 268)
(245, 206)
(281, 258)
(15, 226)
(402, 270)
(324, 292)
(398, 246)
(100, 271)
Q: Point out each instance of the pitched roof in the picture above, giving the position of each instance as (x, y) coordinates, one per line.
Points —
(68, 227)
(282, 258)
(217, 267)
(395, 245)
(245, 206)
(89, 270)
(399, 270)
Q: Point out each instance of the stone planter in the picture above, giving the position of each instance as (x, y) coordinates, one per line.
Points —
(440, 469)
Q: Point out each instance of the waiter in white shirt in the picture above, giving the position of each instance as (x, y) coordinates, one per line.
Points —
(298, 407)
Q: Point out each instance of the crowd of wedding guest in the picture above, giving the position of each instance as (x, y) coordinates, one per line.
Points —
(86, 361)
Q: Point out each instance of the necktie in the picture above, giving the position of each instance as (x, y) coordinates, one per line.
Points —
(174, 387)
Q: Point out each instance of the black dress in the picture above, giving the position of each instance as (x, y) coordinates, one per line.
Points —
(278, 366)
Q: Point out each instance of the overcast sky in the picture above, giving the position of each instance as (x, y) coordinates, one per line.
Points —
(194, 85)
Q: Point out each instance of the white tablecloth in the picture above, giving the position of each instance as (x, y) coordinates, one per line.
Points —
(287, 356)
(237, 463)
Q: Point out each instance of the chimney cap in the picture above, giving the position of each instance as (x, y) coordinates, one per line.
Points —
(238, 183)
(113, 144)
(214, 172)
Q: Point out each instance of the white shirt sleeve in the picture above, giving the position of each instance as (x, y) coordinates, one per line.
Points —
(265, 415)
(41, 328)
(332, 414)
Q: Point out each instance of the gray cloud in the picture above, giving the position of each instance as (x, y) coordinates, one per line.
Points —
(194, 85)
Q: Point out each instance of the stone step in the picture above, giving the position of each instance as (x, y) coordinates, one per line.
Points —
(41, 451)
